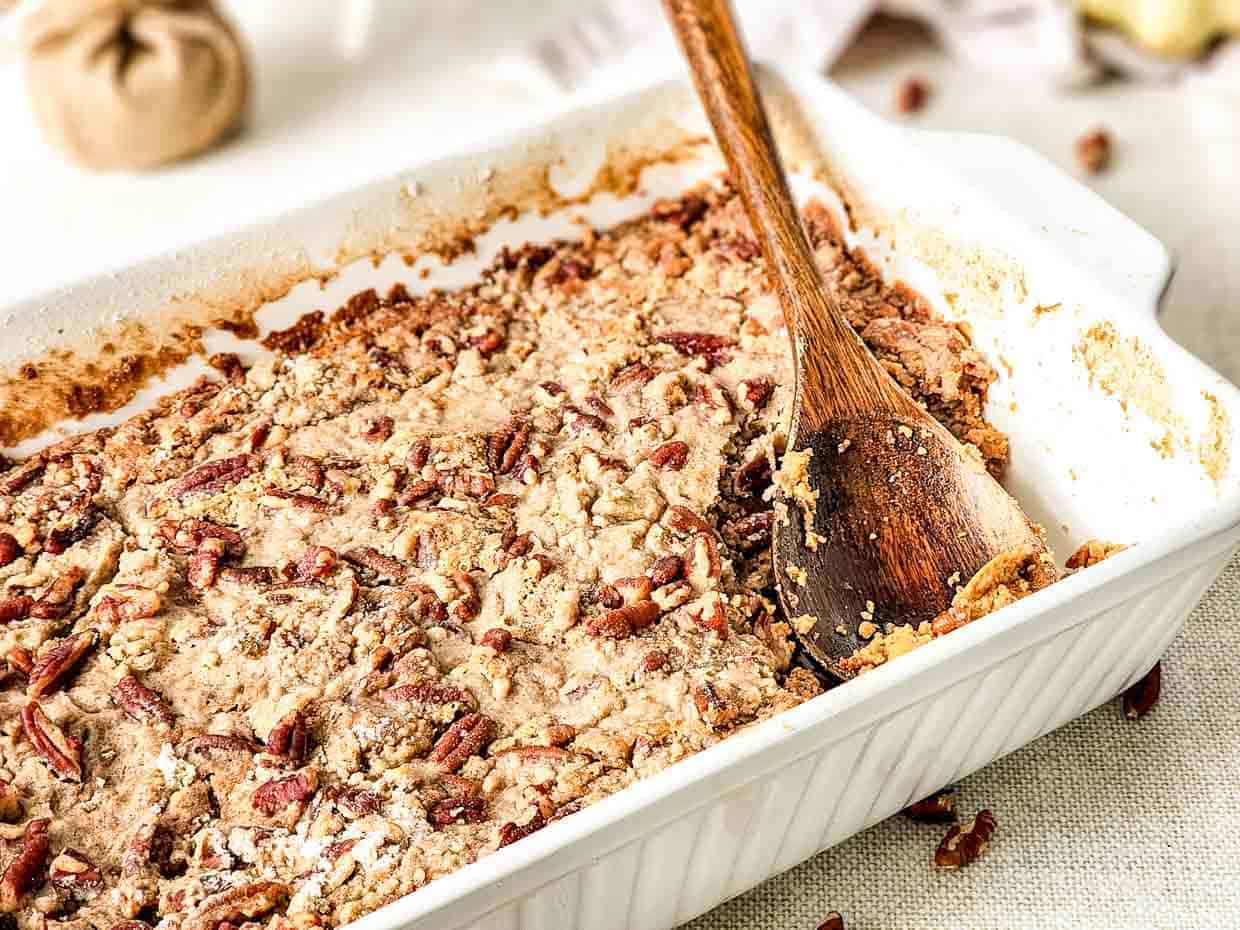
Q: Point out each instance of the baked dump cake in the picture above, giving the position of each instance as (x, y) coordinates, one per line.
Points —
(442, 571)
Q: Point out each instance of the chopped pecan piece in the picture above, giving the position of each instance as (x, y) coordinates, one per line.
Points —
(681, 211)
(582, 421)
(507, 445)
(190, 534)
(20, 658)
(834, 921)
(210, 742)
(750, 533)
(241, 902)
(215, 476)
(51, 668)
(289, 738)
(63, 753)
(61, 538)
(510, 832)
(73, 873)
(22, 475)
(666, 570)
(250, 576)
(58, 598)
(487, 343)
(429, 692)
(419, 490)
(1140, 699)
(939, 807)
(683, 520)
(468, 737)
(383, 567)
(912, 95)
(468, 605)
(22, 874)
(757, 391)
(561, 734)
(671, 455)
(301, 501)
(709, 346)
(358, 802)
(11, 809)
(753, 477)
(964, 843)
(316, 563)
(1093, 151)
(715, 710)
(204, 565)
(279, 793)
(380, 429)
(653, 661)
(498, 639)
(624, 621)
(419, 454)
(713, 617)
(140, 702)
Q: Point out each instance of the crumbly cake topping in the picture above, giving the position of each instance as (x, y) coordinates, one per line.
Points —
(442, 571)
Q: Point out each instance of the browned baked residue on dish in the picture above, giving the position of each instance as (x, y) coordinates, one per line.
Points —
(1125, 368)
(440, 572)
(64, 385)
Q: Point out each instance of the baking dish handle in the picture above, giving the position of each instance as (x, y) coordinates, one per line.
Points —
(1130, 262)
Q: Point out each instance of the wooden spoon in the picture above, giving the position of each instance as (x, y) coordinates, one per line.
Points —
(902, 510)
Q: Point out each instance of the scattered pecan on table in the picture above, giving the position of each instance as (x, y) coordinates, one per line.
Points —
(965, 843)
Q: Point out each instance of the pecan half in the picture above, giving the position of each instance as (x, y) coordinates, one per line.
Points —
(631, 376)
(624, 621)
(20, 658)
(671, 455)
(419, 490)
(51, 668)
(15, 608)
(468, 737)
(581, 421)
(215, 476)
(73, 873)
(750, 533)
(382, 567)
(964, 843)
(457, 810)
(1093, 150)
(709, 346)
(1140, 699)
(939, 807)
(834, 921)
(289, 738)
(507, 445)
(683, 520)
(510, 832)
(239, 903)
(497, 638)
(62, 753)
(429, 692)
(140, 702)
(465, 484)
(22, 874)
(277, 794)
(190, 533)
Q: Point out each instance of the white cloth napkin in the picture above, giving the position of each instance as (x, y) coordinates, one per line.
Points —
(1032, 39)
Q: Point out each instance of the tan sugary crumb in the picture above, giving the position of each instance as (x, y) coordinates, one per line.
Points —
(866, 629)
(804, 624)
(797, 574)
(1091, 553)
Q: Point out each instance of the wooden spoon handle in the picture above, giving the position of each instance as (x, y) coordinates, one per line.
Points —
(836, 375)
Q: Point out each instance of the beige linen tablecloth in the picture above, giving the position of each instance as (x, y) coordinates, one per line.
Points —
(1105, 823)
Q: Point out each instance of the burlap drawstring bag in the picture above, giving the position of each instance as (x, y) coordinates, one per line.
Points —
(133, 83)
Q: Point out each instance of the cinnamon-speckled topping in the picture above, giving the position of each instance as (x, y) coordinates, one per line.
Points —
(443, 571)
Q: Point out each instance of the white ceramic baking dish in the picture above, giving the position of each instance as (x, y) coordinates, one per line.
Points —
(1116, 432)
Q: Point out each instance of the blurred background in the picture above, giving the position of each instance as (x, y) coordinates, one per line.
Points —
(1139, 99)
(341, 91)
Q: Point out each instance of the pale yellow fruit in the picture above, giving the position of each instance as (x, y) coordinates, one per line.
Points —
(1179, 28)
